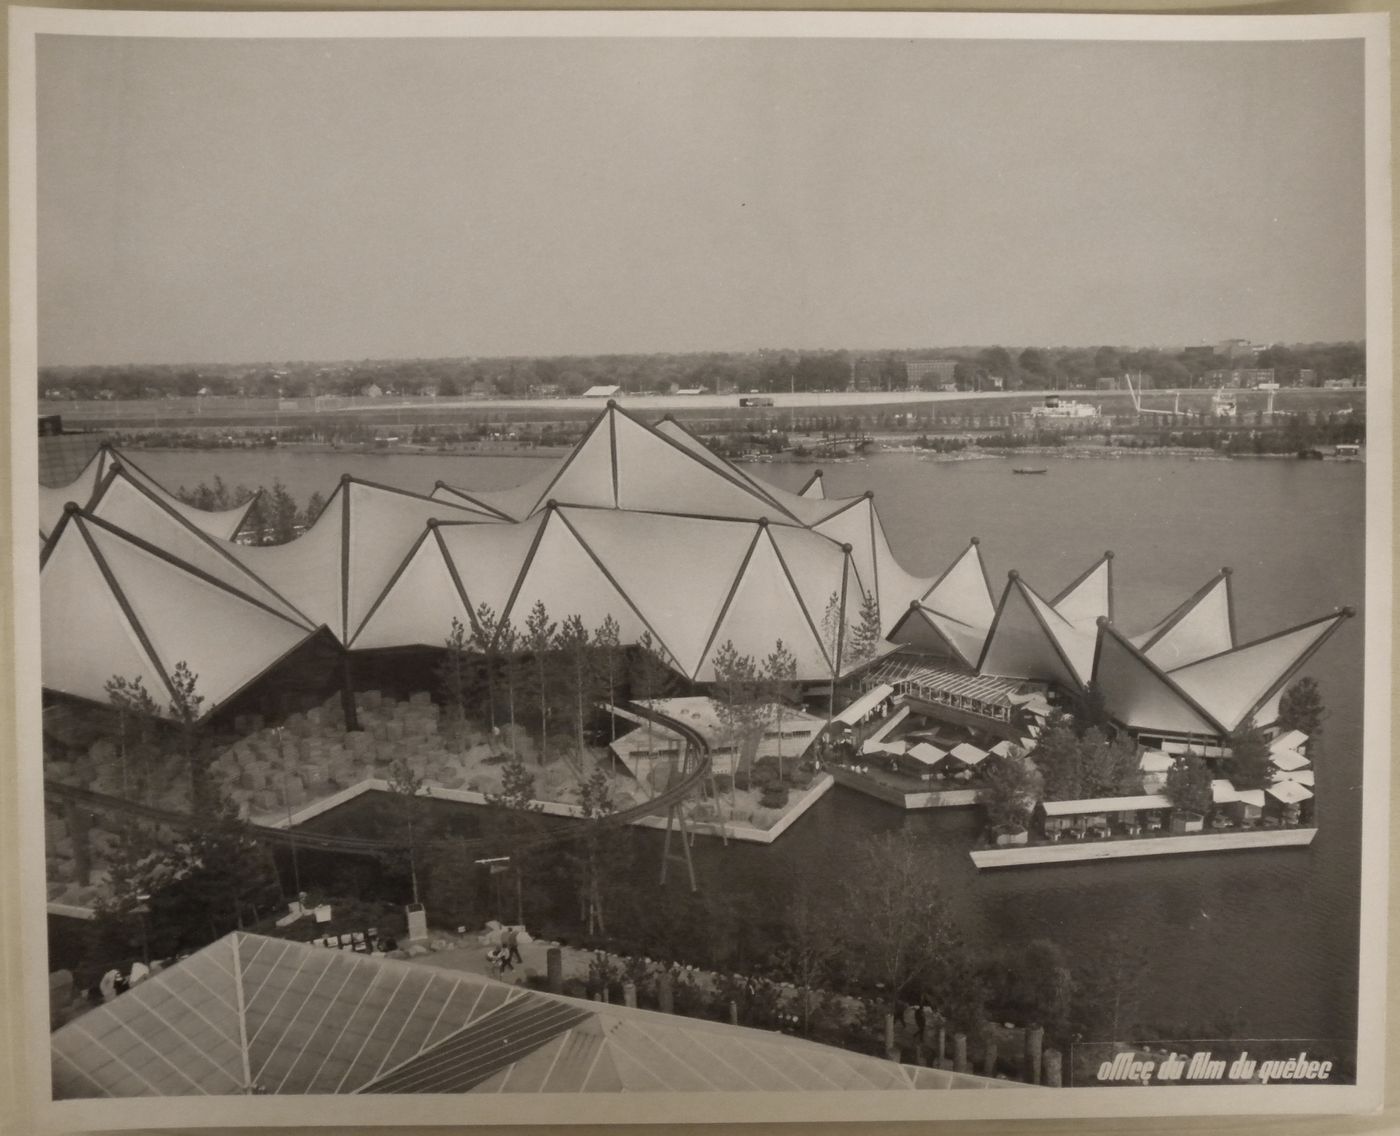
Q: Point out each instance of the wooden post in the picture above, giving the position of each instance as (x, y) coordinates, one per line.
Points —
(1035, 1039)
(942, 1042)
(733, 1013)
(554, 968)
(960, 1052)
(665, 999)
(891, 1050)
(989, 1054)
(1052, 1068)
(629, 994)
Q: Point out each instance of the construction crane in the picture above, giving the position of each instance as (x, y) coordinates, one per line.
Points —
(1175, 412)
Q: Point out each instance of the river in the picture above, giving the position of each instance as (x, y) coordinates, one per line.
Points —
(1267, 937)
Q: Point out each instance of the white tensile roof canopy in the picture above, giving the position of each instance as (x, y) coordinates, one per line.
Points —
(740, 561)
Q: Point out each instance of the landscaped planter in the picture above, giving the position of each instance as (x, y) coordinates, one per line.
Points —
(1009, 834)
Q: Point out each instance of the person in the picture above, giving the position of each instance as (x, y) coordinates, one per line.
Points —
(513, 946)
(119, 984)
(920, 1019)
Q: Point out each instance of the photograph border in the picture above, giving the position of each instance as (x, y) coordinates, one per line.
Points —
(1037, 1103)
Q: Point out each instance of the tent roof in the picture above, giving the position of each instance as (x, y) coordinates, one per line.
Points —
(963, 591)
(1232, 685)
(1089, 596)
(1287, 759)
(1201, 626)
(1289, 792)
(1029, 639)
(1302, 776)
(864, 704)
(290, 1018)
(114, 605)
(968, 753)
(1293, 739)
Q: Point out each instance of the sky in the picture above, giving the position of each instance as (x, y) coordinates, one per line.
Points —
(278, 200)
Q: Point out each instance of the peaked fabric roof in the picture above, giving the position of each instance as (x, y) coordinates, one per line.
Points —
(963, 591)
(1030, 639)
(337, 569)
(1202, 626)
(253, 1014)
(114, 604)
(1090, 596)
(815, 489)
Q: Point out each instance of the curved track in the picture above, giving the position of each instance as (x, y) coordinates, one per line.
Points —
(694, 767)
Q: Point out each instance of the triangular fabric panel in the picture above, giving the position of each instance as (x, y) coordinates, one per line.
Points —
(418, 607)
(127, 506)
(814, 489)
(226, 640)
(656, 475)
(1229, 685)
(586, 477)
(517, 502)
(962, 592)
(1089, 599)
(563, 577)
(383, 526)
(852, 526)
(897, 587)
(79, 491)
(680, 595)
(87, 639)
(816, 565)
(223, 524)
(685, 439)
(765, 608)
(1020, 646)
(927, 630)
(1198, 633)
(1139, 697)
(965, 639)
(489, 559)
(306, 570)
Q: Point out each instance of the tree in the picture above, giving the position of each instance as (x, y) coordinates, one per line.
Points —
(739, 706)
(514, 820)
(137, 713)
(1058, 757)
(894, 921)
(1011, 787)
(412, 823)
(451, 674)
(184, 708)
(833, 635)
(281, 515)
(779, 689)
(577, 651)
(1188, 784)
(540, 633)
(1109, 768)
(606, 643)
(315, 506)
(485, 638)
(1249, 766)
(600, 855)
(866, 637)
(1302, 708)
(809, 949)
(508, 651)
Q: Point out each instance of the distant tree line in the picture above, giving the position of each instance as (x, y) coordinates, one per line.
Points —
(970, 368)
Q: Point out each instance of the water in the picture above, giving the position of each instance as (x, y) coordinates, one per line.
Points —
(1269, 936)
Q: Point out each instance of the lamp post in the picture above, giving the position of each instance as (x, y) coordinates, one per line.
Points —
(142, 910)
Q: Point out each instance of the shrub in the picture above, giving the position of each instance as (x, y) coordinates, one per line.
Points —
(775, 796)
(723, 782)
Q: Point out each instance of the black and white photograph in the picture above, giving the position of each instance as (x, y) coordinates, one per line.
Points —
(601, 567)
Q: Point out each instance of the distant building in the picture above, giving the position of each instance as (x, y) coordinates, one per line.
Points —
(602, 391)
(1307, 377)
(1245, 377)
(374, 390)
(930, 374)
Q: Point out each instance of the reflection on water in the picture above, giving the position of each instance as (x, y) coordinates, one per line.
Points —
(1270, 936)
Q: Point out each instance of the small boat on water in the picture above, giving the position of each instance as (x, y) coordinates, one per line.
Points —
(1037, 469)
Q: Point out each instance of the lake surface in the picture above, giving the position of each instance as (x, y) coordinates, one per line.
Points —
(1269, 937)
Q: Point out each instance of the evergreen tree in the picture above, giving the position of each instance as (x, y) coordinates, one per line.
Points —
(1059, 758)
(281, 515)
(513, 819)
(607, 643)
(833, 635)
(137, 714)
(485, 638)
(651, 679)
(540, 632)
(738, 706)
(1010, 788)
(1248, 765)
(599, 857)
(1188, 784)
(508, 651)
(1109, 768)
(315, 506)
(576, 651)
(412, 823)
(451, 675)
(780, 689)
(1302, 708)
(185, 702)
(867, 636)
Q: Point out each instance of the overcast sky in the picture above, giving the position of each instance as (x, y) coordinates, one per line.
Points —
(224, 201)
